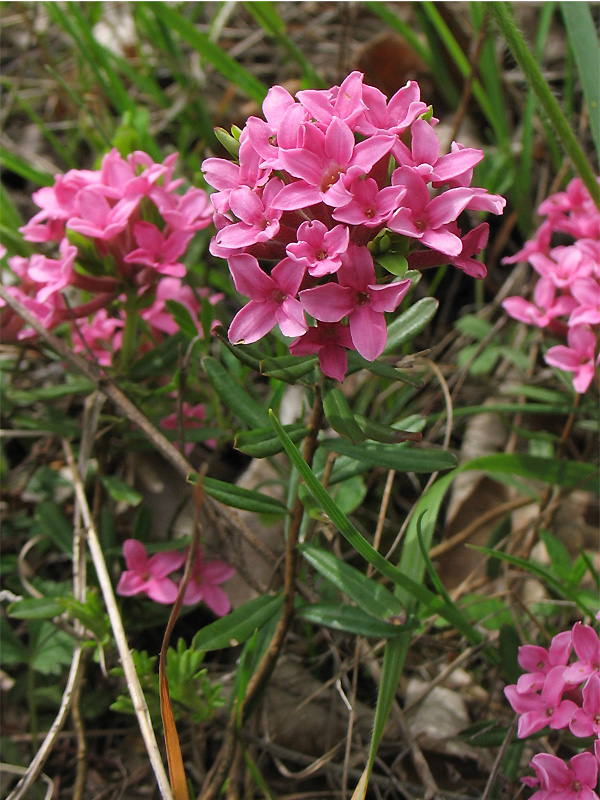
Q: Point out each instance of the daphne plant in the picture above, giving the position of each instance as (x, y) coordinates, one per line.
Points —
(120, 233)
(327, 208)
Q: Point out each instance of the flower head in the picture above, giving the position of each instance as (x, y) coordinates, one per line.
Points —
(204, 585)
(149, 575)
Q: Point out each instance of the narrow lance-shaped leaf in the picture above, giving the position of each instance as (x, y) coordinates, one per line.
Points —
(340, 417)
(239, 625)
(237, 400)
(433, 603)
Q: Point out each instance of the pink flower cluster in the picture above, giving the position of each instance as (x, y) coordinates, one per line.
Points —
(120, 230)
(563, 695)
(150, 576)
(316, 181)
(566, 298)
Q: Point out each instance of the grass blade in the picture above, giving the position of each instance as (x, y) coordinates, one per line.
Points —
(584, 41)
(502, 14)
(226, 65)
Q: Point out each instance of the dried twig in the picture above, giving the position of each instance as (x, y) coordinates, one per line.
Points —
(133, 684)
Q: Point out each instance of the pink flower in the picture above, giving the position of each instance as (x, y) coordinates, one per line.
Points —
(586, 720)
(587, 292)
(258, 220)
(549, 708)
(157, 251)
(320, 163)
(538, 661)
(426, 219)
(546, 305)
(579, 357)
(330, 341)
(393, 117)
(369, 206)
(204, 585)
(149, 575)
(424, 156)
(157, 316)
(563, 265)
(587, 647)
(561, 782)
(358, 297)
(272, 299)
(102, 336)
(318, 248)
(344, 101)
(96, 218)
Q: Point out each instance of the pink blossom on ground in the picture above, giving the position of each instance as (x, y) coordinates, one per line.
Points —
(204, 585)
(576, 781)
(102, 336)
(574, 271)
(546, 306)
(579, 357)
(586, 720)
(149, 575)
(547, 708)
(427, 219)
(109, 207)
(587, 648)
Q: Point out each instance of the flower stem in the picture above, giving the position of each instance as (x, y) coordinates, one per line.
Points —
(241, 710)
(501, 13)
(129, 333)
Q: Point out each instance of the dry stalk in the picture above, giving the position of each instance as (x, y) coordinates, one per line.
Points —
(133, 684)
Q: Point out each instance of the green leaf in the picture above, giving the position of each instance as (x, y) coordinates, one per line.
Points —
(584, 41)
(349, 619)
(55, 525)
(410, 586)
(396, 263)
(369, 595)
(50, 649)
(393, 664)
(548, 577)
(185, 322)
(229, 142)
(35, 608)
(405, 327)
(29, 396)
(237, 497)
(567, 473)
(120, 491)
(340, 417)
(239, 625)
(393, 456)
(503, 16)
(287, 368)
(238, 401)
(209, 50)
(263, 442)
(13, 649)
(378, 367)
(14, 163)
(265, 13)
(379, 432)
